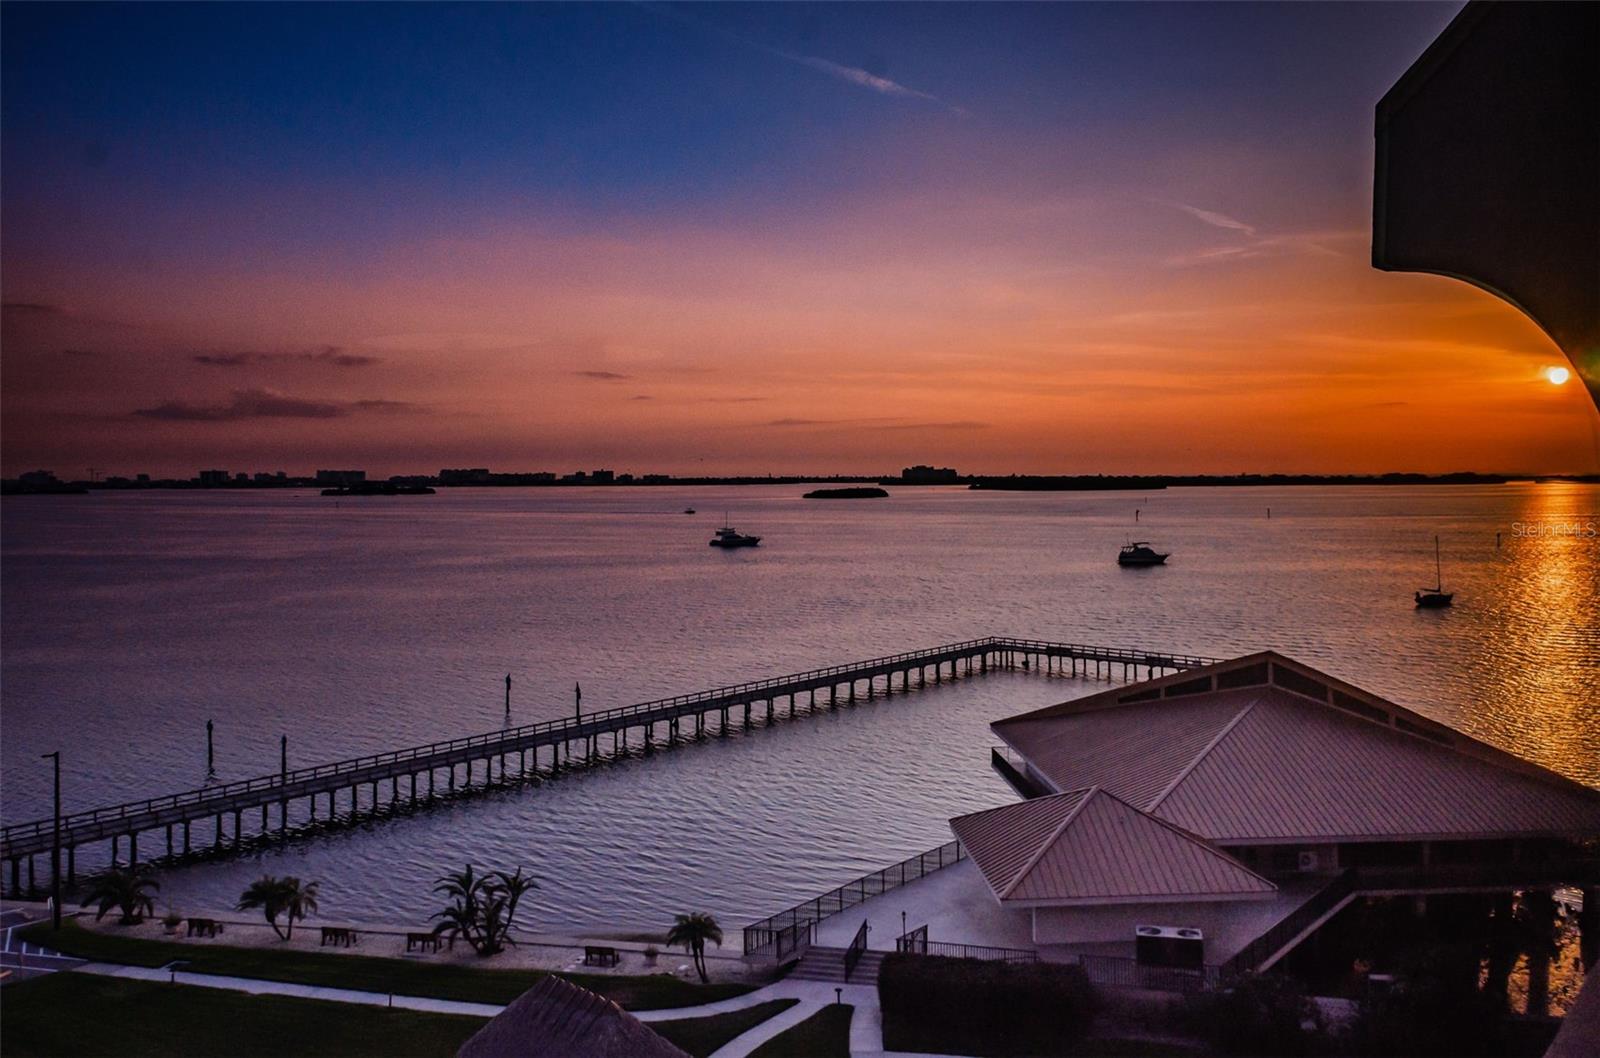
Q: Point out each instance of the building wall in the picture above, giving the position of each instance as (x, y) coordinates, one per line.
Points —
(1094, 925)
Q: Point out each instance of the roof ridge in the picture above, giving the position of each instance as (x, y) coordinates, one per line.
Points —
(1111, 697)
(1194, 838)
(1461, 743)
(1088, 793)
(1205, 751)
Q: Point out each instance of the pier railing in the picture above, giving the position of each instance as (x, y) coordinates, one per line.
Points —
(552, 730)
(24, 838)
(267, 783)
(761, 937)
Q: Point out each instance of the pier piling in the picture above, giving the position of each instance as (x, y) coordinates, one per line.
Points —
(975, 657)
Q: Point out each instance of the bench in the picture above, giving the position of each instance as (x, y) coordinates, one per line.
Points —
(598, 956)
(422, 941)
(339, 935)
(204, 927)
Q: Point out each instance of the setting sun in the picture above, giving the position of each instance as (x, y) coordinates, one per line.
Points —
(1557, 375)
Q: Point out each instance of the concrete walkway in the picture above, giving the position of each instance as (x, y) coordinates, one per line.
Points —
(866, 1023)
(812, 996)
(257, 987)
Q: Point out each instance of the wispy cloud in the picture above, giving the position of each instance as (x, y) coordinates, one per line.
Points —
(265, 404)
(602, 376)
(33, 308)
(1217, 220)
(1254, 243)
(953, 424)
(330, 355)
(853, 75)
(883, 424)
(864, 79)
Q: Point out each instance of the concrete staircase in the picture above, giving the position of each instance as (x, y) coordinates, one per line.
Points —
(827, 964)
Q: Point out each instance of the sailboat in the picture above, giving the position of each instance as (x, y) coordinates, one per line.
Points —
(1436, 597)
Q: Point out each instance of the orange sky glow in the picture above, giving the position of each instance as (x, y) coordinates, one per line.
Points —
(962, 291)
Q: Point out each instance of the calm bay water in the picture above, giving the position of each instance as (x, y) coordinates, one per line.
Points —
(367, 624)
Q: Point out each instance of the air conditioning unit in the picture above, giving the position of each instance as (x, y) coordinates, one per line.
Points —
(1309, 860)
(1177, 946)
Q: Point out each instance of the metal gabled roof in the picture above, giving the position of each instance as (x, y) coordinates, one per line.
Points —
(1264, 749)
(1090, 847)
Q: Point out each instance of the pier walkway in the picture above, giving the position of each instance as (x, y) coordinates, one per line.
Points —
(281, 804)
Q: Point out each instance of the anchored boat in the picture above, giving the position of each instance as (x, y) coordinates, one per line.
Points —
(728, 536)
(1435, 598)
(1139, 553)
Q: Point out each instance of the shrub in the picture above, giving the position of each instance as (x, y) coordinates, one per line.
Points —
(971, 1006)
(1265, 1015)
(1437, 1009)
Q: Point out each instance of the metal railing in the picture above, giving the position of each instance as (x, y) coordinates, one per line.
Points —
(857, 948)
(437, 754)
(1252, 955)
(1013, 767)
(911, 944)
(1115, 654)
(1120, 971)
(758, 936)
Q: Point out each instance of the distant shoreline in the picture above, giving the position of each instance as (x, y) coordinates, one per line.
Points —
(973, 482)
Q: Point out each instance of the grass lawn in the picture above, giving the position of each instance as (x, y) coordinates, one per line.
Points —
(702, 1036)
(371, 974)
(82, 1016)
(825, 1034)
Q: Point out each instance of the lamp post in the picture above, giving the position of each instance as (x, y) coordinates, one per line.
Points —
(211, 756)
(55, 845)
(577, 701)
(508, 696)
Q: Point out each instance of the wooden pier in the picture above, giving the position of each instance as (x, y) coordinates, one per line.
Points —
(231, 816)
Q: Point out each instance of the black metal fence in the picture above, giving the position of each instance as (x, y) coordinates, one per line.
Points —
(914, 942)
(858, 948)
(1120, 971)
(915, 945)
(761, 937)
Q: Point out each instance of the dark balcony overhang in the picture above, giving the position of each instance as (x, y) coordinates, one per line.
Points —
(1488, 166)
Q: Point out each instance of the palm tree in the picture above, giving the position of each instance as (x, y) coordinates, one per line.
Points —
(266, 893)
(299, 900)
(692, 931)
(125, 890)
(463, 916)
(482, 907)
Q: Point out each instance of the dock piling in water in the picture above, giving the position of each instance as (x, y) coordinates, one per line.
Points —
(23, 841)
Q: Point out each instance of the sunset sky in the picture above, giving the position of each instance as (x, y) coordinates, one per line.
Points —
(725, 239)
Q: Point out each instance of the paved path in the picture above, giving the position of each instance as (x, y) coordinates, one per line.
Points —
(258, 987)
(866, 1024)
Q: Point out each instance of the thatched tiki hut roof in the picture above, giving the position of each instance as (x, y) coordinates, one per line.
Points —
(557, 1019)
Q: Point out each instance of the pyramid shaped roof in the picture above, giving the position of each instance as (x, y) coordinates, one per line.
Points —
(1091, 847)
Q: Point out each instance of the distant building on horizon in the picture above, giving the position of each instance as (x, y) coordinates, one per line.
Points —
(213, 478)
(921, 474)
(341, 477)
